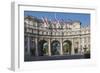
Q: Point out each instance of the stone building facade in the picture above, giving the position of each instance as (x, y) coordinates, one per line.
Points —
(43, 37)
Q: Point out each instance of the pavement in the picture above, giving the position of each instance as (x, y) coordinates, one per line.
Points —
(44, 58)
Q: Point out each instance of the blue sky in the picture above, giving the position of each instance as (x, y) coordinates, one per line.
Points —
(82, 17)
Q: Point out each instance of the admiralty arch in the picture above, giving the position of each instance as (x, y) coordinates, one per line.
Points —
(50, 38)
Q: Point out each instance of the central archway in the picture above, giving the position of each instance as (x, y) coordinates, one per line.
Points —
(43, 48)
(67, 47)
(55, 48)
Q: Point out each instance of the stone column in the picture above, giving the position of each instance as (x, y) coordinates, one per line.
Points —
(28, 44)
(72, 49)
(82, 39)
(61, 47)
(81, 49)
(36, 50)
(79, 43)
(49, 47)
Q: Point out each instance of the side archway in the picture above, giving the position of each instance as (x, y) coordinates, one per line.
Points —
(67, 45)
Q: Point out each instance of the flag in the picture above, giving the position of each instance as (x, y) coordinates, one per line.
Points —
(45, 22)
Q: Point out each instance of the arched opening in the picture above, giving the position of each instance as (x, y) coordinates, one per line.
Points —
(67, 47)
(55, 47)
(43, 48)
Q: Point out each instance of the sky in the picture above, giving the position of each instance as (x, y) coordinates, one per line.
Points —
(84, 18)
